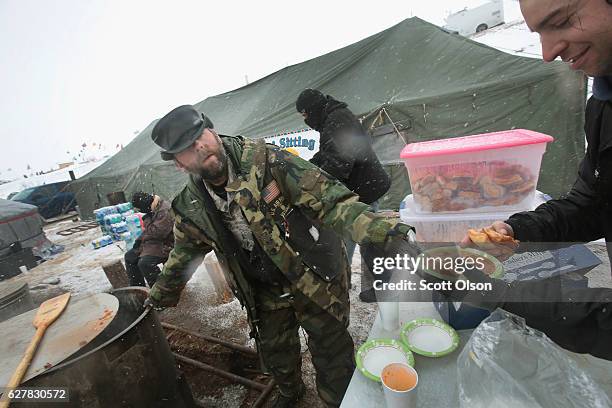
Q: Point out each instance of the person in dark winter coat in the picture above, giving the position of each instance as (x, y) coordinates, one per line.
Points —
(345, 149)
(345, 152)
(154, 245)
(579, 33)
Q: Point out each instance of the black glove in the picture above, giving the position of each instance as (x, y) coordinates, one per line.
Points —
(150, 303)
(399, 242)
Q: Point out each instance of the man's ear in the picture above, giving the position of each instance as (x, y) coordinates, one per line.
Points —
(180, 166)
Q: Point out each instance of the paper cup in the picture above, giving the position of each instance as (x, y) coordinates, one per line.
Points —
(399, 382)
(389, 315)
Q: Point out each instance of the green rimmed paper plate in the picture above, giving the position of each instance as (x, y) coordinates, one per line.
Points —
(429, 337)
(376, 354)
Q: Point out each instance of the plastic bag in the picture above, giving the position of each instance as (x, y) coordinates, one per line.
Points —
(508, 364)
(46, 249)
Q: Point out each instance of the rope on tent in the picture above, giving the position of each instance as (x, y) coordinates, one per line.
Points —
(364, 117)
(377, 121)
(425, 114)
(401, 136)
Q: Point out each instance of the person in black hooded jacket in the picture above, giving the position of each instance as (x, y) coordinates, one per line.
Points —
(345, 152)
(345, 149)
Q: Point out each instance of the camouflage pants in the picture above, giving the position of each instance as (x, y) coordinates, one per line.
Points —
(329, 342)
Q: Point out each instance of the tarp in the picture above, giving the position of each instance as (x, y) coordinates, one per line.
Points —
(21, 223)
(430, 83)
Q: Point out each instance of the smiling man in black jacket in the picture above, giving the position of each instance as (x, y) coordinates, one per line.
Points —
(580, 33)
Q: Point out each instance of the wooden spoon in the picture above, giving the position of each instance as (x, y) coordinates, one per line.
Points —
(47, 313)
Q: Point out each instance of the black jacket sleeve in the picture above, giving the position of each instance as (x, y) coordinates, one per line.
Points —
(580, 216)
(579, 320)
(574, 218)
(581, 323)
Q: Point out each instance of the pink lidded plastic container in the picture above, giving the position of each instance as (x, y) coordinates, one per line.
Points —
(490, 172)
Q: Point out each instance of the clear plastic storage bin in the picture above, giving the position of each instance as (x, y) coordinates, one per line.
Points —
(453, 227)
(492, 172)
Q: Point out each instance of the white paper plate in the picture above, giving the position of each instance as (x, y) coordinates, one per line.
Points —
(429, 337)
(376, 354)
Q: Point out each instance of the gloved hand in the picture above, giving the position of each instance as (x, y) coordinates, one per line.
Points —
(401, 240)
(159, 298)
(150, 303)
(501, 248)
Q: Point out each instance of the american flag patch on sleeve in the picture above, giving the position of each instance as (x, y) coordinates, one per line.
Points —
(270, 192)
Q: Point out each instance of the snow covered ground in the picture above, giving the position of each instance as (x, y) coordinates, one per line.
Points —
(513, 37)
(78, 267)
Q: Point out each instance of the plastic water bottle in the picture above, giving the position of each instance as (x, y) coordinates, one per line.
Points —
(123, 207)
(111, 219)
(133, 224)
(96, 243)
(128, 239)
(126, 214)
(141, 219)
(101, 214)
(119, 227)
(107, 240)
(115, 229)
(101, 242)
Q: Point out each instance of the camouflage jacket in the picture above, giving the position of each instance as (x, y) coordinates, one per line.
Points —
(301, 185)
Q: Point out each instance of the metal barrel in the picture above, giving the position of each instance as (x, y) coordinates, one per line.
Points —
(129, 364)
(14, 300)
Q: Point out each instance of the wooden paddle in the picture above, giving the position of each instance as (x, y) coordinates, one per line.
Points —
(47, 313)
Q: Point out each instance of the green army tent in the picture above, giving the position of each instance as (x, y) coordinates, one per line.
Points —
(413, 81)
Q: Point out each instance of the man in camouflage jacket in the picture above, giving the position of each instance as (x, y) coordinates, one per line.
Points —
(275, 222)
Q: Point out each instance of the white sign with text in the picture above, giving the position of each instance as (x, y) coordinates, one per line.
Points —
(305, 142)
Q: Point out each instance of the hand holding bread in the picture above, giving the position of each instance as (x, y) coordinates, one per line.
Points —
(497, 240)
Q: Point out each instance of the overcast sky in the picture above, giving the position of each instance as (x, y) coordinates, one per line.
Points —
(74, 72)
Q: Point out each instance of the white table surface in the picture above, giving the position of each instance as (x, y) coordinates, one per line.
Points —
(438, 376)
